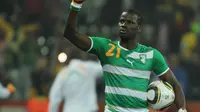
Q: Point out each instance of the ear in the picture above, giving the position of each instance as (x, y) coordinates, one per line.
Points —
(139, 28)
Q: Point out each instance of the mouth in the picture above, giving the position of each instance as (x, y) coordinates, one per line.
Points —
(123, 31)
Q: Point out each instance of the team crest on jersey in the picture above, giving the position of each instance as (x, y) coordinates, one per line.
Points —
(143, 58)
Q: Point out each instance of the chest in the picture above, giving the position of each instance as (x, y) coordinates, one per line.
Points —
(135, 59)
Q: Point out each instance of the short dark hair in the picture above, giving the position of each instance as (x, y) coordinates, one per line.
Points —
(138, 13)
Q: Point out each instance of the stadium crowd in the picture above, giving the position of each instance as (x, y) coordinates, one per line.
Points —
(31, 39)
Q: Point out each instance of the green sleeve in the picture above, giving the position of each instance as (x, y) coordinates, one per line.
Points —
(160, 66)
(98, 45)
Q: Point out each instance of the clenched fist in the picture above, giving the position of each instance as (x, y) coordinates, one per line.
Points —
(78, 1)
(76, 5)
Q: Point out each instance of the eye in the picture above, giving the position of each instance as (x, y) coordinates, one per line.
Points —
(129, 22)
(122, 21)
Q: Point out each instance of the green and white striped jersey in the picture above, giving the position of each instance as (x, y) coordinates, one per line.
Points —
(127, 73)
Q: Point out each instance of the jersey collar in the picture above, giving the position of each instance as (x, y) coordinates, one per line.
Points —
(126, 48)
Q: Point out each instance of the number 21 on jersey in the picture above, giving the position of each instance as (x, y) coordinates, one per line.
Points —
(111, 52)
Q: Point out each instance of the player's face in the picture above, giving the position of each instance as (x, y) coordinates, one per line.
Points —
(128, 25)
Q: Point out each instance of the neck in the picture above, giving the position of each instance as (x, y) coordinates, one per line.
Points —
(129, 44)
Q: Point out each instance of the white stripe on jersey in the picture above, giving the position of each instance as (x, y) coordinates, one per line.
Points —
(126, 71)
(127, 92)
(122, 109)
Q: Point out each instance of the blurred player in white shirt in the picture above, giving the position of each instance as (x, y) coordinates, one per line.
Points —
(6, 87)
(5, 92)
(76, 85)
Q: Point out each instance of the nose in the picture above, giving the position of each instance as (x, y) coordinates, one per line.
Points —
(123, 25)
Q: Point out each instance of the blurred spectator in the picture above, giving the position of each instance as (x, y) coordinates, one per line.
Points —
(184, 15)
(189, 43)
(33, 9)
(41, 77)
(29, 36)
(105, 15)
(7, 7)
(180, 73)
(6, 86)
(192, 66)
(29, 47)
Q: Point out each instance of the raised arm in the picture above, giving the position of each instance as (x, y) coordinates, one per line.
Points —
(80, 40)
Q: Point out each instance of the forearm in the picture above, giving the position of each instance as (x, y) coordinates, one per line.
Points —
(70, 28)
(179, 97)
(72, 18)
(78, 39)
(179, 94)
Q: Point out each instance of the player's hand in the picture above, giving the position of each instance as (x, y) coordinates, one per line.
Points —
(182, 110)
(78, 1)
(11, 88)
(76, 5)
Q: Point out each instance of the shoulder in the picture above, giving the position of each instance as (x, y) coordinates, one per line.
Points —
(93, 67)
(92, 63)
(74, 63)
(63, 71)
(98, 44)
(147, 48)
(100, 39)
(154, 51)
(144, 48)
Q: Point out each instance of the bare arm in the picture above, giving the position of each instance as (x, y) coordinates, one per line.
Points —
(75, 37)
(179, 95)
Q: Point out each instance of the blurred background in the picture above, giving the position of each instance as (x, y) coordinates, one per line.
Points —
(33, 50)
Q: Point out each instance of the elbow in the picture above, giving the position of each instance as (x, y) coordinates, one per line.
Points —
(178, 85)
(66, 33)
(69, 32)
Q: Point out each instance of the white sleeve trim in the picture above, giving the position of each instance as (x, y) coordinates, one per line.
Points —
(91, 45)
(164, 72)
